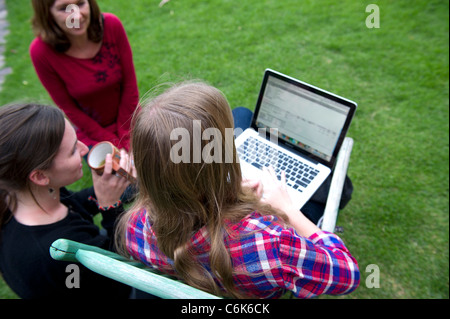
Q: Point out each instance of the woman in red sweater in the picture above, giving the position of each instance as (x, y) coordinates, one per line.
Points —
(84, 60)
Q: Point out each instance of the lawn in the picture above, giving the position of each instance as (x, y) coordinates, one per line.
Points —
(398, 74)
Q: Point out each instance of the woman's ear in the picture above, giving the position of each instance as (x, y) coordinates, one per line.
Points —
(39, 178)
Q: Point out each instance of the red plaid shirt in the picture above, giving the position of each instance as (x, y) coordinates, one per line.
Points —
(267, 258)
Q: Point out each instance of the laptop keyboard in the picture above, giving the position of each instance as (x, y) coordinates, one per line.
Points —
(259, 154)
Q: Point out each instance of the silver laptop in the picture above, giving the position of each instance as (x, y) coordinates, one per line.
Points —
(296, 128)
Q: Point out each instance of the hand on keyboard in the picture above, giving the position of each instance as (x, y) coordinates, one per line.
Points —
(275, 190)
(275, 193)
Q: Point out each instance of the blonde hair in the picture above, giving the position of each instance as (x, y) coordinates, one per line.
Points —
(180, 198)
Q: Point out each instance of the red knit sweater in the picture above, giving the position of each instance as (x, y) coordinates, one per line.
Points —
(98, 95)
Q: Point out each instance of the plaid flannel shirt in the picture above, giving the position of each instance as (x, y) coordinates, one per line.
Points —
(268, 259)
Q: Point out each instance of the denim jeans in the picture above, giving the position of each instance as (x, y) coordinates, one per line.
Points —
(242, 117)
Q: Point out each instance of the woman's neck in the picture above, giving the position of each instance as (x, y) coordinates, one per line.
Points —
(83, 48)
(42, 207)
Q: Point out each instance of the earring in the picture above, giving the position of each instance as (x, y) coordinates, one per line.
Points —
(52, 192)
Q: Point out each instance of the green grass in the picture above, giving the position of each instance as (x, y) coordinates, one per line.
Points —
(398, 74)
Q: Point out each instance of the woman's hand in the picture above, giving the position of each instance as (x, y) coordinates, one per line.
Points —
(110, 186)
(275, 193)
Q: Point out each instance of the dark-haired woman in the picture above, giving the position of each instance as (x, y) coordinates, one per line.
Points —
(84, 60)
(40, 154)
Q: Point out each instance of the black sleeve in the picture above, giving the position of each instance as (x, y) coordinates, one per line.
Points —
(84, 203)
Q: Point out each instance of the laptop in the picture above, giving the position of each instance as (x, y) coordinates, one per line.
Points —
(296, 128)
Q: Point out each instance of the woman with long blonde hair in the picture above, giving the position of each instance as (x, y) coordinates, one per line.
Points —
(196, 218)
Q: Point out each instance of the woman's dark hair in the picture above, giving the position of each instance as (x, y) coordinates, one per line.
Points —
(45, 27)
(30, 137)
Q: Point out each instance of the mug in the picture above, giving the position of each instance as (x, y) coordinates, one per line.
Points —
(97, 156)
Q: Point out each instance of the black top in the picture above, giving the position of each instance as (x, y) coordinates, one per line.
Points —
(29, 270)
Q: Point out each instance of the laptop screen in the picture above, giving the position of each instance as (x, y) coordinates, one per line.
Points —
(306, 117)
